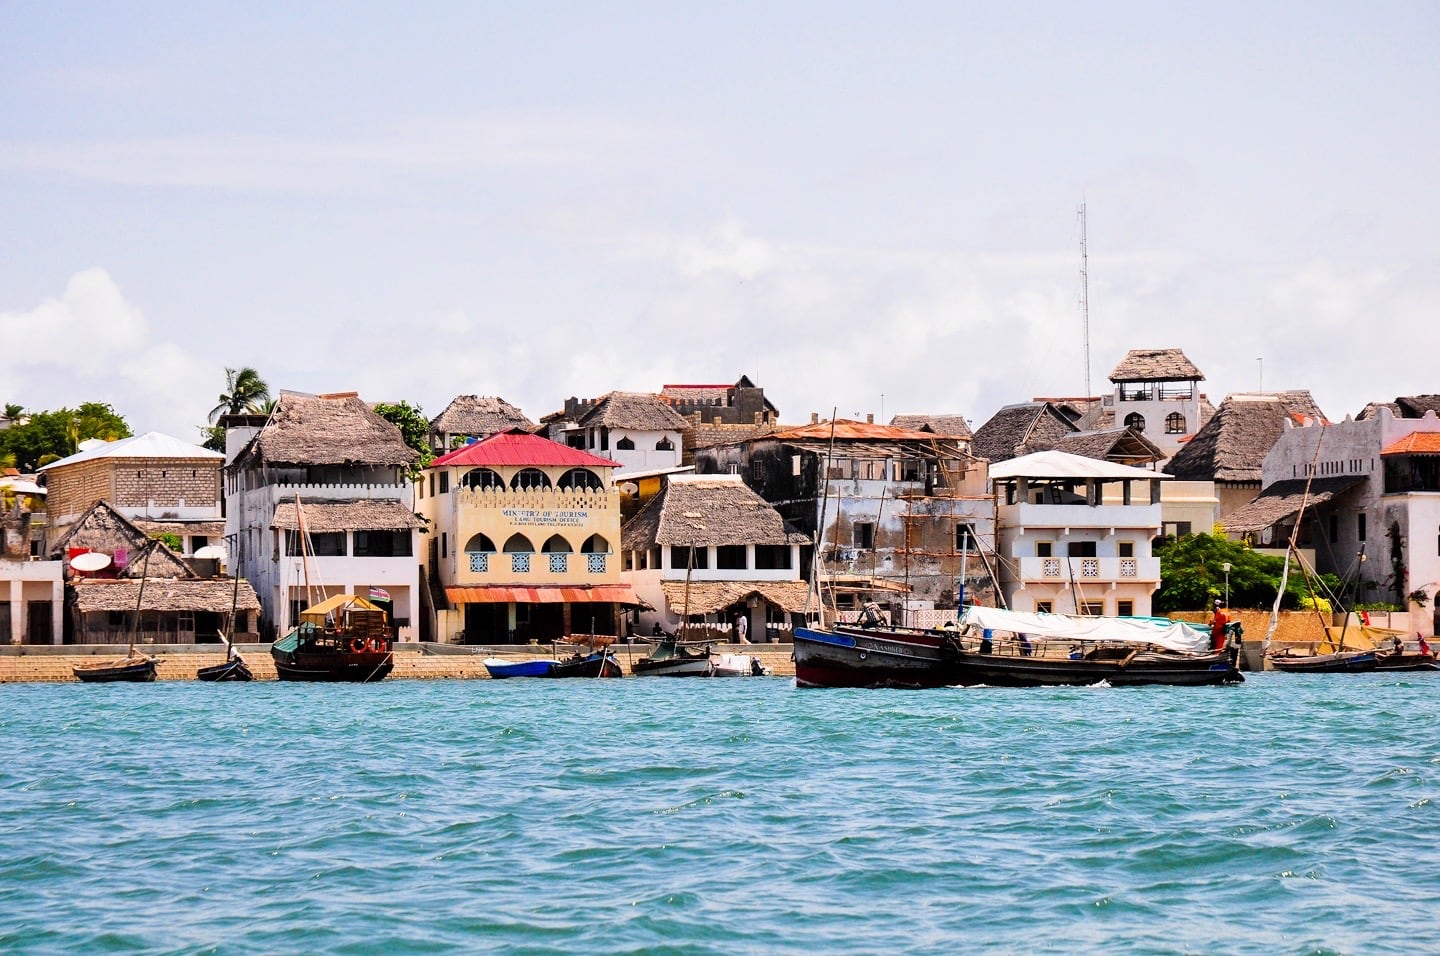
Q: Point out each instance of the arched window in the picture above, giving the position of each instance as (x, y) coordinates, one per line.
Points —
(527, 478)
(625, 444)
(482, 478)
(664, 444)
(480, 542)
(595, 544)
(1136, 421)
(581, 478)
(1174, 424)
(556, 545)
(518, 544)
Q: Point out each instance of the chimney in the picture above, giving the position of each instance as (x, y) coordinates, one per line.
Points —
(814, 418)
(870, 418)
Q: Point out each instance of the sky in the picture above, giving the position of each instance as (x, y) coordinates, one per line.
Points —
(866, 208)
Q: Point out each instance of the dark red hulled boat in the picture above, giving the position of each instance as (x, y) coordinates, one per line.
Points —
(344, 639)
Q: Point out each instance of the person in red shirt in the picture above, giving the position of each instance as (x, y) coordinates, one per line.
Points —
(1217, 628)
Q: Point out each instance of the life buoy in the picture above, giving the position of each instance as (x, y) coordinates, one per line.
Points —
(357, 644)
(377, 645)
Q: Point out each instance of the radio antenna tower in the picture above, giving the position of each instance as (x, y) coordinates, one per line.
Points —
(1085, 297)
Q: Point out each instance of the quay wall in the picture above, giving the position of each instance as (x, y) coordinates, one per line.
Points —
(413, 661)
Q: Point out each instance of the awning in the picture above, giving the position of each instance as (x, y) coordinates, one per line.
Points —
(1282, 501)
(556, 594)
(707, 597)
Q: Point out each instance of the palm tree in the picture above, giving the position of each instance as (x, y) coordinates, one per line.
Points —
(245, 391)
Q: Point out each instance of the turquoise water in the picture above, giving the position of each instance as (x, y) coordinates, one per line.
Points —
(1292, 814)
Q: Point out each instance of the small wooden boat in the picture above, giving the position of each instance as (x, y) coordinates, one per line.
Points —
(668, 657)
(1340, 662)
(233, 669)
(859, 657)
(599, 663)
(1406, 661)
(499, 668)
(133, 668)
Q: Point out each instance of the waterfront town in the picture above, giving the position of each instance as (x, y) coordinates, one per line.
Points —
(699, 510)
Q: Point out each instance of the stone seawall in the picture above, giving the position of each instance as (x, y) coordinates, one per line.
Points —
(412, 661)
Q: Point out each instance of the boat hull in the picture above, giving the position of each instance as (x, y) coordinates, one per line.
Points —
(233, 670)
(1406, 662)
(858, 658)
(501, 669)
(1343, 662)
(333, 665)
(599, 664)
(130, 670)
(1130, 670)
(674, 667)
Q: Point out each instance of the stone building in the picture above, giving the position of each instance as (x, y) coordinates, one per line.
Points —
(319, 503)
(707, 550)
(523, 538)
(164, 485)
(32, 591)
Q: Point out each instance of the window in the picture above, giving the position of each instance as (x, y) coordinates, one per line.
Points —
(595, 544)
(730, 557)
(862, 535)
(772, 557)
(604, 438)
(581, 478)
(326, 544)
(482, 478)
(1360, 527)
(444, 545)
(529, 479)
(432, 484)
(1176, 529)
(1080, 549)
(873, 469)
(912, 469)
(684, 558)
(1136, 421)
(625, 444)
(1044, 607)
(1092, 608)
(556, 545)
(1126, 549)
(965, 539)
(518, 544)
(1174, 424)
(841, 468)
(1044, 549)
(444, 482)
(1125, 608)
(383, 544)
(665, 444)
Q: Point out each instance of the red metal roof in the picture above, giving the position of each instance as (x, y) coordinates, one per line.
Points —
(1422, 443)
(846, 430)
(521, 448)
(552, 594)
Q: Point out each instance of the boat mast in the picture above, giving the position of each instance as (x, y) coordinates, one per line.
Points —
(1085, 297)
(1290, 545)
(819, 542)
(140, 598)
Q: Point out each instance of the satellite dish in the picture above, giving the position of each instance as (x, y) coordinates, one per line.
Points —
(211, 551)
(90, 561)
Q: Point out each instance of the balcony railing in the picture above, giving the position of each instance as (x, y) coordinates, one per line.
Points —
(1089, 569)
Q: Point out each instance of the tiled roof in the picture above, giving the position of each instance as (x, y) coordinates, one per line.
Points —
(521, 449)
(1155, 365)
(1415, 443)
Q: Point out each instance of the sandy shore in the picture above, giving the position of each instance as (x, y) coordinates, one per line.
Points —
(412, 661)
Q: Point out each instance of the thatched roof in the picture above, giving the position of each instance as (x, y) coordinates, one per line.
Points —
(101, 528)
(479, 416)
(365, 515)
(155, 560)
(637, 411)
(1155, 365)
(707, 597)
(185, 529)
(703, 512)
(1232, 445)
(215, 595)
(946, 426)
(326, 430)
(1124, 445)
(1020, 429)
(1405, 406)
(1282, 500)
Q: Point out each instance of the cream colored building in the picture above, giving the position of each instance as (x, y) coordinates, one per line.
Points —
(524, 540)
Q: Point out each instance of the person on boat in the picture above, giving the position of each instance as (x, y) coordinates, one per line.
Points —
(1025, 649)
(1217, 628)
(1422, 643)
(657, 630)
(870, 615)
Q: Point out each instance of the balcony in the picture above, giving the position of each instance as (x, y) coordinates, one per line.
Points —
(1089, 570)
(1061, 518)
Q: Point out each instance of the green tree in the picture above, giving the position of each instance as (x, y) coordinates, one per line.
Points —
(245, 391)
(50, 436)
(414, 428)
(1192, 576)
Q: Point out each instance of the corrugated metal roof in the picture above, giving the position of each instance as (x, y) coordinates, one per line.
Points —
(1058, 464)
(845, 429)
(521, 448)
(148, 445)
(1415, 443)
(551, 594)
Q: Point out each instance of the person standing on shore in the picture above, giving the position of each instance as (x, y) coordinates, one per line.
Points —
(742, 629)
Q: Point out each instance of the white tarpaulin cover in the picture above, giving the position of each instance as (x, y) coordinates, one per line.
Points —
(1175, 636)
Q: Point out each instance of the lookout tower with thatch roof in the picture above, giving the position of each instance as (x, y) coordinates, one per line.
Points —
(1157, 393)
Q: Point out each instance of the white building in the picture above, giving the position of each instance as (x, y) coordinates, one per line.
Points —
(639, 430)
(318, 503)
(1063, 548)
(1157, 393)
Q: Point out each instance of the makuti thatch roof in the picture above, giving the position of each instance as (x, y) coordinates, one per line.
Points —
(706, 511)
(1232, 445)
(365, 515)
(1124, 445)
(337, 429)
(155, 560)
(636, 411)
(1155, 365)
(1283, 500)
(101, 528)
(214, 595)
(1019, 430)
(1405, 406)
(479, 416)
(707, 597)
(944, 426)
